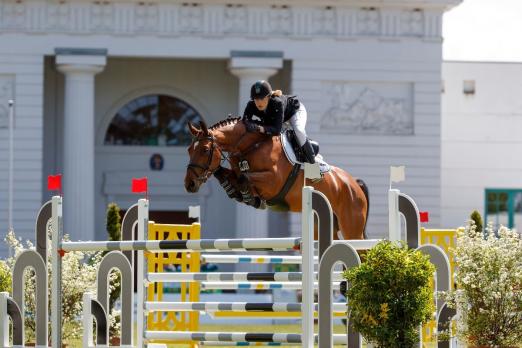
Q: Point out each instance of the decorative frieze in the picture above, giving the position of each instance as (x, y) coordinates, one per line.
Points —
(368, 108)
(369, 21)
(146, 17)
(235, 19)
(14, 15)
(102, 17)
(58, 16)
(324, 22)
(412, 23)
(280, 21)
(190, 18)
(197, 18)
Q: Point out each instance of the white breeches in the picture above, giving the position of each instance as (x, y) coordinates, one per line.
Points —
(298, 123)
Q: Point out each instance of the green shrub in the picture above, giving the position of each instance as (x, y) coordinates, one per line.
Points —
(477, 220)
(113, 222)
(389, 295)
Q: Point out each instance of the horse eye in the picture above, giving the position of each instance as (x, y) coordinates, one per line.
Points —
(206, 150)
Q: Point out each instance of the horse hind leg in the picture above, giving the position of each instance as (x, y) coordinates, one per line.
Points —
(337, 233)
(366, 192)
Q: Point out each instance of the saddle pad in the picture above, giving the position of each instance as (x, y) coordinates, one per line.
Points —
(290, 155)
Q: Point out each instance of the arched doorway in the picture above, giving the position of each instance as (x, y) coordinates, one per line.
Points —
(146, 135)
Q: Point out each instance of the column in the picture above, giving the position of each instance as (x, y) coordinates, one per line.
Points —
(248, 67)
(79, 67)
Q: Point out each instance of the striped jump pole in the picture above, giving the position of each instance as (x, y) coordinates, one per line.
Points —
(247, 344)
(233, 307)
(249, 244)
(257, 285)
(267, 315)
(167, 277)
(340, 339)
(253, 259)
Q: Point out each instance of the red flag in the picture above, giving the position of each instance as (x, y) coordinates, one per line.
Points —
(54, 182)
(139, 185)
(424, 216)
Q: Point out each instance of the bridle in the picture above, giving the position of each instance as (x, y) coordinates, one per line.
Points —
(206, 171)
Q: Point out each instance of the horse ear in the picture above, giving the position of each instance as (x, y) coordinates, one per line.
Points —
(193, 129)
(203, 126)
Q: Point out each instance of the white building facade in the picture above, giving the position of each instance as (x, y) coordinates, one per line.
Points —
(481, 142)
(103, 89)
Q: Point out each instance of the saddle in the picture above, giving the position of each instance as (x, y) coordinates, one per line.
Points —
(300, 157)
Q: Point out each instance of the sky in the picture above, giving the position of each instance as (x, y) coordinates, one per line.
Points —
(484, 30)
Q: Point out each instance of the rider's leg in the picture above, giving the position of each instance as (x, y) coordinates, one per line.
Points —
(228, 180)
(298, 123)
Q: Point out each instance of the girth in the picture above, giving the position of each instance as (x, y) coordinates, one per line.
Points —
(278, 202)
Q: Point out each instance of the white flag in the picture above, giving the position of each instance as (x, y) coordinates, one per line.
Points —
(194, 211)
(312, 171)
(397, 174)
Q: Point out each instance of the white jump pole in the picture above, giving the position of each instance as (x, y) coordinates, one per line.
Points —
(143, 229)
(394, 218)
(56, 269)
(307, 252)
(11, 164)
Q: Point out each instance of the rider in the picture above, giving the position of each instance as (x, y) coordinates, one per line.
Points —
(268, 110)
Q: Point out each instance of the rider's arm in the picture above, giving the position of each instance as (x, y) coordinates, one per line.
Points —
(249, 111)
(277, 109)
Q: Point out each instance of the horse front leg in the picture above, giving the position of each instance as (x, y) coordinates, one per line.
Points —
(259, 185)
(250, 185)
(229, 181)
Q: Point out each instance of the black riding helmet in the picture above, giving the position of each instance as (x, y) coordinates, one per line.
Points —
(260, 89)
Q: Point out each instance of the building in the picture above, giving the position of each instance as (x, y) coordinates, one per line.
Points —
(102, 88)
(481, 143)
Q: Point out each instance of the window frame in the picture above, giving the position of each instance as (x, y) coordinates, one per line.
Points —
(510, 204)
(190, 105)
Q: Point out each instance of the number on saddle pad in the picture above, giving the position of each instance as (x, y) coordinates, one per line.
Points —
(243, 166)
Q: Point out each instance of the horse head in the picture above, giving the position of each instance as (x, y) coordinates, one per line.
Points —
(204, 157)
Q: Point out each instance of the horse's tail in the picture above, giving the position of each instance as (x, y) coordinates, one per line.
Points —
(366, 191)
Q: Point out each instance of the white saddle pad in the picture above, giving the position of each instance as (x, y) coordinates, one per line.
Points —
(290, 155)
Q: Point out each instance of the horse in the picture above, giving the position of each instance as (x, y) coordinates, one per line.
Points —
(267, 170)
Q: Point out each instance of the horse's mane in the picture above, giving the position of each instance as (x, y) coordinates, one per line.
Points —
(225, 122)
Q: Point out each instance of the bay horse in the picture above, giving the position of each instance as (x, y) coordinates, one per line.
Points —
(268, 170)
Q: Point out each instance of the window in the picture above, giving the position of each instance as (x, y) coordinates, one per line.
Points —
(504, 207)
(468, 87)
(152, 120)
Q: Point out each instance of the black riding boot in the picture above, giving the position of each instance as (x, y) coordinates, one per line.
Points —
(231, 191)
(308, 152)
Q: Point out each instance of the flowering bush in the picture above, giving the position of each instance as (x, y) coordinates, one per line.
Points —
(78, 277)
(5, 277)
(489, 294)
(390, 295)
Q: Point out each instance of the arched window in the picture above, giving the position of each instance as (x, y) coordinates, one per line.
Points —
(152, 120)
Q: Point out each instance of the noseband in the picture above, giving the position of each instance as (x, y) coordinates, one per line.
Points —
(206, 170)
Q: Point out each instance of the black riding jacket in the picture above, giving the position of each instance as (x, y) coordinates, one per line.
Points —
(278, 110)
